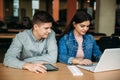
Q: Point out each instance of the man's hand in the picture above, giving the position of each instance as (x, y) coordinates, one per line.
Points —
(35, 67)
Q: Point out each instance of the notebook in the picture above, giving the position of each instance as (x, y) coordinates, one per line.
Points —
(110, 60)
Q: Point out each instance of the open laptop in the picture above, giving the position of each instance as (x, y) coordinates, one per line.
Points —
(110, 60)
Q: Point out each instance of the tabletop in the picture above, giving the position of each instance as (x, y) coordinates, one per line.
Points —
(62, 74)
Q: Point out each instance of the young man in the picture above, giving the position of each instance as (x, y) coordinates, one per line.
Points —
(32, 48)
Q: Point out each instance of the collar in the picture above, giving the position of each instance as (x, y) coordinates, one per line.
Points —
(71, 35)
(33, 37)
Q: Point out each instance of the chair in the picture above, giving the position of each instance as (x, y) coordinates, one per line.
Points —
(116, 35)
(108, 42)
(4, 45)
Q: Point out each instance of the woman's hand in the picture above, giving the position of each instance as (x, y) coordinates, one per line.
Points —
(35, 67)
(82, 61)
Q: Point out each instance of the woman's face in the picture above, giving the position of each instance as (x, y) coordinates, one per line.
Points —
(81, 28)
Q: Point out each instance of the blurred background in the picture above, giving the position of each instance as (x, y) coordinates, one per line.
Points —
(16, 16)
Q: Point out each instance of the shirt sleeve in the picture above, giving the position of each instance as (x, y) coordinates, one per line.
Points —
(63, 52)
(11, 57)
(96, 51)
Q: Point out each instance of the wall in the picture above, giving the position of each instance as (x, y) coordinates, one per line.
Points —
(105, 16)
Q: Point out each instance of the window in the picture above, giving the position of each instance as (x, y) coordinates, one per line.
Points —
(35, 5)
(94, 6)
(16, 6)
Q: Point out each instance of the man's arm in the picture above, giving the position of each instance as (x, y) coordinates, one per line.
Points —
(11, 57)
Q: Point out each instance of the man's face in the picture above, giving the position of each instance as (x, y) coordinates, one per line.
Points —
(42, 30)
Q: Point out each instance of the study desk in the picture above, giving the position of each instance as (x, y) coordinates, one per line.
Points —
(15, 30)
(97, 37)
(12, 35)
(7, 35)
(62, 74)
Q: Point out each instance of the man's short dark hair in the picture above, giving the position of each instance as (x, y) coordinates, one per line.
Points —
(42, 16)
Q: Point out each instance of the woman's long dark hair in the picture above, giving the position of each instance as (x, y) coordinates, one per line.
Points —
(80, 16)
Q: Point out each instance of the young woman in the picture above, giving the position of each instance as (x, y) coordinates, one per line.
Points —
(75, 46)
